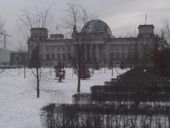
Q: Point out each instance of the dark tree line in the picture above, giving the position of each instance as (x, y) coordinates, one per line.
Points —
(161, 58)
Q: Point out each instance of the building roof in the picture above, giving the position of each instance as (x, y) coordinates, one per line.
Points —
(146, 26)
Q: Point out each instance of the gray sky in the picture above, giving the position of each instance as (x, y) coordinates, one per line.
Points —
(123, 16)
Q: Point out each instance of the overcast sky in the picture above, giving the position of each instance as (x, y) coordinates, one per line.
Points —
(123, 16)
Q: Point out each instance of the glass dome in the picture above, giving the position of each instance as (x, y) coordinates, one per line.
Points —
(97, 29)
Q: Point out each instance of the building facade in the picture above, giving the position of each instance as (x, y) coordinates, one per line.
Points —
(4, 57)
(98, 46)
(18, 58)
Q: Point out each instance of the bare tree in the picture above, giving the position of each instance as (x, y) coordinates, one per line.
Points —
(166, 29)
(28, 20)
(2, 34)
(2, 27)
(34, 18)
(22, 49)
(2, 24)
(76, 17)
(72, 16)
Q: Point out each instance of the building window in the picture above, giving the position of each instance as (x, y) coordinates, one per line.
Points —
(68, 56)
(130, 55)
(58, 56)
(123, 48)
(41, 48)
(117, 48)
(58, 48)
(123, 55)
(52, 48)
(111, 55)
(117, 55)
(47, 48)
(63, 48)
(64, 57)
(69, 49)
(53, 56)
(47, 56)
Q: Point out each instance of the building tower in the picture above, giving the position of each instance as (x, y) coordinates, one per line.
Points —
(145, 44)
(39, 34)
(146, 31)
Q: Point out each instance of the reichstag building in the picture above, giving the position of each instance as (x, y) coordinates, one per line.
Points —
(98, 46)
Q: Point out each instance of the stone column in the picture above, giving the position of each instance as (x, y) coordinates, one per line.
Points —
(85, 52)
(88, 52)
(94, 52)
(97, 52)
(91, 53)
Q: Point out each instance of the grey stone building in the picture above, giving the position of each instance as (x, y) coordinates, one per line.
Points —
(4, 57)
(98, 46)
(18, 58)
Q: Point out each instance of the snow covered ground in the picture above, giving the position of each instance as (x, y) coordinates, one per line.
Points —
(19, 107)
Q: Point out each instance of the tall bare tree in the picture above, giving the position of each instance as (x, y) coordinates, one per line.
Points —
(166, 29)
(2, 24)
(2, 33)
(76, 17)
(2, 27)
(35, 18)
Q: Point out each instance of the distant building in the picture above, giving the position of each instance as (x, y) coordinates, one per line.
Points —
(98, 45)
(18, 58)
(4, 57)
(52, 50)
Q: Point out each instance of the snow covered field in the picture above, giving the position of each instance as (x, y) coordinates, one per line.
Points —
(19, 107)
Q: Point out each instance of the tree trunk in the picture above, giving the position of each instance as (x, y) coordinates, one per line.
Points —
(24, 71)
(112, 70)
(24, 67)
(79, 83)
(79, 68)
(38, 82)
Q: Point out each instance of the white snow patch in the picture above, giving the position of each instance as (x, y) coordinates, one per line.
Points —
(19, 107)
